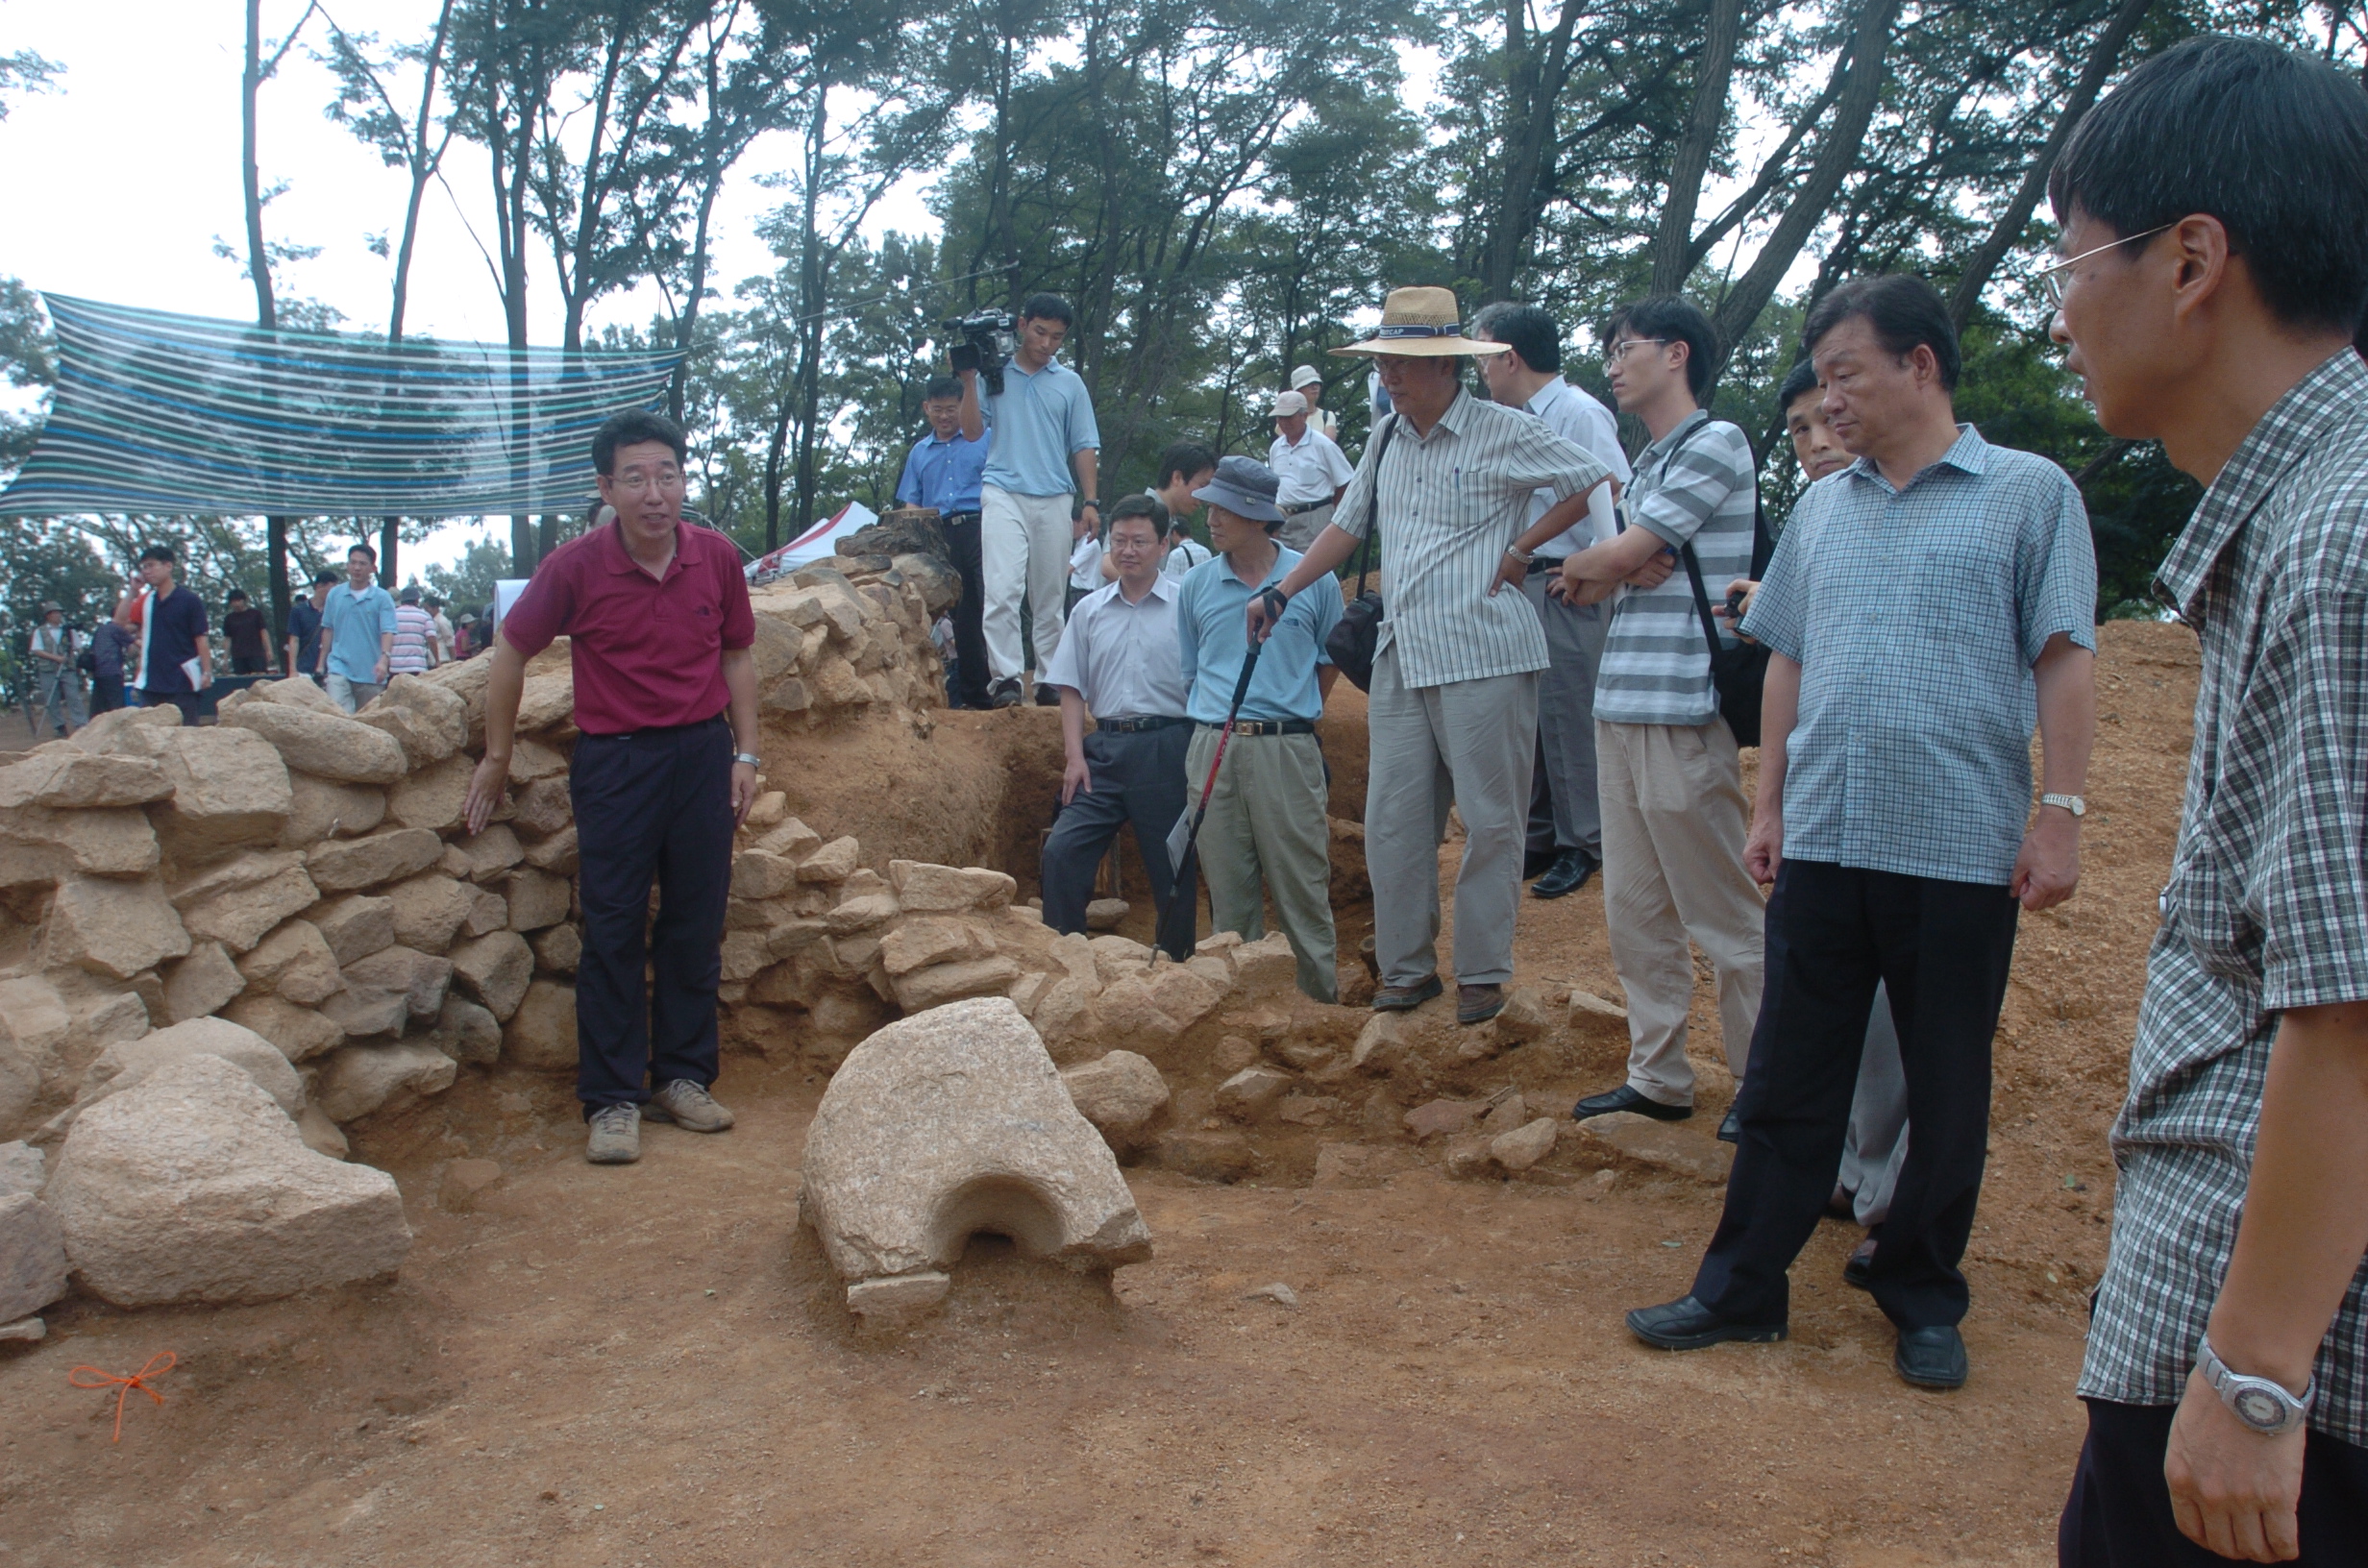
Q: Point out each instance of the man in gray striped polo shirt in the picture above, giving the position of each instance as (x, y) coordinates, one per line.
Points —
(1454, 698)
(1668, 776)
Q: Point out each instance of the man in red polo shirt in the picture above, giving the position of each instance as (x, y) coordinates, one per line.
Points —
(659, 627)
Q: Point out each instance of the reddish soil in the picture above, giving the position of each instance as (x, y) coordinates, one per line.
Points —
(649, 1364)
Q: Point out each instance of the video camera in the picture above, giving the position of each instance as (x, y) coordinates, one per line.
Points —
(989, 337)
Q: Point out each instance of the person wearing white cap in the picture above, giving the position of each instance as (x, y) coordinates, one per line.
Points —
(1308, 381)
(1311, 468)
(1454, 696)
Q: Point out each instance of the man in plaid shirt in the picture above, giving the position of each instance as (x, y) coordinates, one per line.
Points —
(2215, 228)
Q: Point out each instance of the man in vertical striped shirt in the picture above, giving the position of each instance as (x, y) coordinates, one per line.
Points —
(1669, 776)
(1454, 698)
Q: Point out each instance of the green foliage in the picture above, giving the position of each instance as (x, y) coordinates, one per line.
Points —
(469, 585)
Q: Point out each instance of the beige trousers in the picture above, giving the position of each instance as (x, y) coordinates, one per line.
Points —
(1266, 834)
(1674, 824)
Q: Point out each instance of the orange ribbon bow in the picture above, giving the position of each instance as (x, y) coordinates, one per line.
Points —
(158, 1366)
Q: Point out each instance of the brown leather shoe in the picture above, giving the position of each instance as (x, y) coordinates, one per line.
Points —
(1477, 1004)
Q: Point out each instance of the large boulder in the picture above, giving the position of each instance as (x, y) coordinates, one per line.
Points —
(33, 1261)
(1120, 1093)
(230, 788)
(944, 1125)
(128, 1062)
(494, 969)
(325, 745)
(344, 863)
(194, 1187)
(321, 808)
(71, 780)
(240, 900)
(42, 844)
(357, 1080)
(540, 1034)
(112, 927)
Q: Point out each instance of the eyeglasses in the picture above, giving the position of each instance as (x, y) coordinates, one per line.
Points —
(2054, 278)
(1618, 351)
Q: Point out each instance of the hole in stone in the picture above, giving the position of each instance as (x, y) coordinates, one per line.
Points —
(1002, 1206)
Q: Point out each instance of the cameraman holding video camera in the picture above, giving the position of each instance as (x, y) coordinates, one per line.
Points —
(1043, 420)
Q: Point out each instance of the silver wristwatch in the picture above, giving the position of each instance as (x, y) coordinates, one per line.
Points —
(2262, 1404)
(749, 757)
(2072, 803)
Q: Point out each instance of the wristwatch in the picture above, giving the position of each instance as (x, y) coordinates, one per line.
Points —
(1520, 554)
(2072, 803)
(2262, 1404)
(749, 757)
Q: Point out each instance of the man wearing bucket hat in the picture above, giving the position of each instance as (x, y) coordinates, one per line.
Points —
(1265, 833)
(1308, 381)
(1311, 468)
(1454, 696)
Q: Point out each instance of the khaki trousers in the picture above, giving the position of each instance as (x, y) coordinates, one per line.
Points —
(1266, 834)
(1673, 825)
(1472, 745)
(1023, 544)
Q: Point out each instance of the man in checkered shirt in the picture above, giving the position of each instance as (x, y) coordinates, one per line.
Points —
(2216, 226)
(1925, 605)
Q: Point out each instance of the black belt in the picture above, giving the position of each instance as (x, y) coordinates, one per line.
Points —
(1545, 563)
(962, 517)
(653, 730)
(1135, 727)
(1269, 727)
(1294, 511)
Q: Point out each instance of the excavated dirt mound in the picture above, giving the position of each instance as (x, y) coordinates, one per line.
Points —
(649, 1364)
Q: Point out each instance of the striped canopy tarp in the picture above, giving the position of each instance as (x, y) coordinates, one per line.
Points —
(164, 413)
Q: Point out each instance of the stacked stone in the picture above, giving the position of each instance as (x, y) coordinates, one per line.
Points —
(832, 639)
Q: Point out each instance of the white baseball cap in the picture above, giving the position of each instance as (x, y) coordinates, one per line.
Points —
(1286, 403)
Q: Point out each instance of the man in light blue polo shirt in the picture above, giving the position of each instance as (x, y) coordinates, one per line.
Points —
(357, 632)
(944, 471)
(1043, 429)
(1267, 812)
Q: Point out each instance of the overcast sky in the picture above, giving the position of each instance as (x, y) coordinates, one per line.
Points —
(120, 180)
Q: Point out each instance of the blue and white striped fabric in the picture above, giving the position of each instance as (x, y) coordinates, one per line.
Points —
(1451, 501)
(1695, 484)
(165, 413)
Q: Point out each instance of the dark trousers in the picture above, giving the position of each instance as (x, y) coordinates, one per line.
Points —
(1138, 778)
(249, 663)
(106, 693)
(970, 637)
(1832, 932)
(650, 806)
(2119, 1513)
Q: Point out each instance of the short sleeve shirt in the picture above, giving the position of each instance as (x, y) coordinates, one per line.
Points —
(942, 474)
(1310, 469)
(245, 630)
(304, 624)
(1695, 485)
(647, 653)
(1123, 658)
(1035, 427)
(1213, 633)
(414, 636)
(1589, 425)
(175, 623)
(1916, 616)
(354, 623)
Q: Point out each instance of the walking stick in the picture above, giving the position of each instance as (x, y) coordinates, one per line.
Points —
(1181, 923)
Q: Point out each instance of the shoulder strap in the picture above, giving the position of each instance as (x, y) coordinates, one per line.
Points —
(1694, 563)
(1372, 504)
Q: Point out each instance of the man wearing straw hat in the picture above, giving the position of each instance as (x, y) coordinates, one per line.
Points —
(1311, 470)
(1454, 696)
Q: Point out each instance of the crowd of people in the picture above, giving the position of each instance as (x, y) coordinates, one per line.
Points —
(158, 644)
(1574, 639)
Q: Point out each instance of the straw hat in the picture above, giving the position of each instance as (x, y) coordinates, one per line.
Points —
(1420, 320)
(1286, 405)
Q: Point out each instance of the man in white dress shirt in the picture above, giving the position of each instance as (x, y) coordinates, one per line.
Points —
(1312, 470)
(1565, 827)
(1119, 660)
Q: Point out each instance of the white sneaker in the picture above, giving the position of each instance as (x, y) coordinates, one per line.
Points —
(613, 1136)
(688, 1106)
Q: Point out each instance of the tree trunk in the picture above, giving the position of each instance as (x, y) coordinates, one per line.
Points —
(1536, 70)
(2008, 228)
(810, 323)
(1837, 154)
(1673, 242)
(266, 308)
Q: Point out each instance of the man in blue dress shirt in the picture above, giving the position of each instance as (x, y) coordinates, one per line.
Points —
(943, 471)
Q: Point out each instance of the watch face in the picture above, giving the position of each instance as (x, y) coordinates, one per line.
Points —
(2256, 1408)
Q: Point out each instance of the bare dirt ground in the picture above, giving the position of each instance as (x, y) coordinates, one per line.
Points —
(649, 1364)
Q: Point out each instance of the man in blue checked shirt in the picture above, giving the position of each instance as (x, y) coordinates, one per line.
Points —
(1925, 604)
(943, 471)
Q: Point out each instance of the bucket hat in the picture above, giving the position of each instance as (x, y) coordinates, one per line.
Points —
(1245, 487)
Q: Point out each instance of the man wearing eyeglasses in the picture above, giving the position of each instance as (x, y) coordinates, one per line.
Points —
(1668, 776)
(656, 616)
(2216, 236)
(1926, 605)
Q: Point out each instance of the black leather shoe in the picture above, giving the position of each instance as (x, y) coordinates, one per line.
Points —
(1626, 1098)
(1004, 694)
(1048, 696)
(1929, 1358)
(1862, 1264)
(1566, 876)
(1536, 863)
(1731, 1126)
(1685, 1324)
